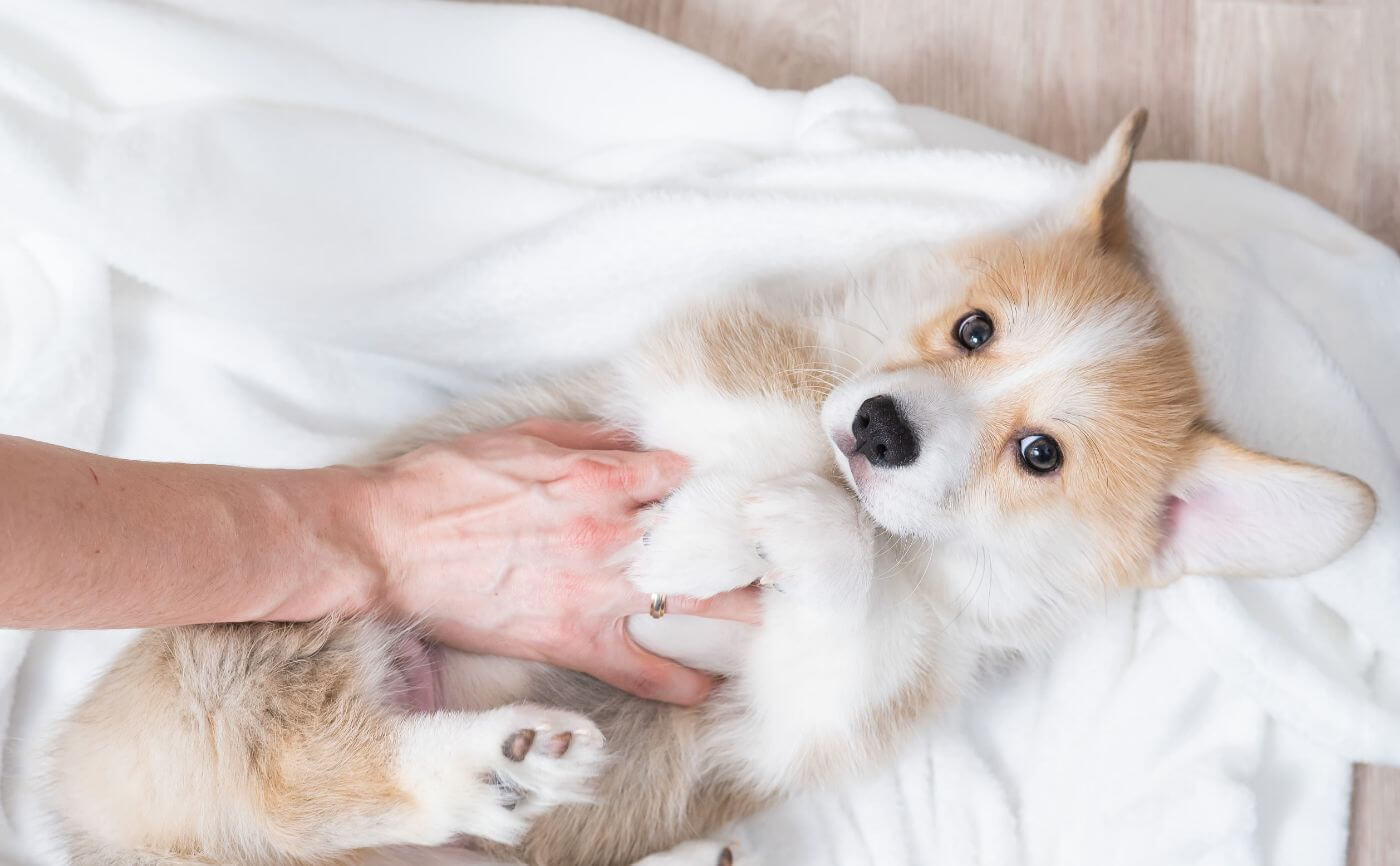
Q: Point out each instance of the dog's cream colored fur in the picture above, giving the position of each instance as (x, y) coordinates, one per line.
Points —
(267, 743)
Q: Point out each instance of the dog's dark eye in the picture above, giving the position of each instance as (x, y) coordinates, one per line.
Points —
(974, 330)
(1040, 454)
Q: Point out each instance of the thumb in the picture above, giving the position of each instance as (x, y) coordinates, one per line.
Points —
(625, 665)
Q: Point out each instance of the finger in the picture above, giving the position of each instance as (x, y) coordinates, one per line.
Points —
(577, 435)
(625, 665)
(655, 474)
(739, 605)
(638, 476)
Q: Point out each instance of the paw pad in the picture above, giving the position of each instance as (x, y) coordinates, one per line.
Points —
(559, 744)
(518, 744)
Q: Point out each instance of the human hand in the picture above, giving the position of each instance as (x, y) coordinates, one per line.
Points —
(505, 542)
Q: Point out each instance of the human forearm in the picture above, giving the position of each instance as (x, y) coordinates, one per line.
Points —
(503, 541)
(93, 541)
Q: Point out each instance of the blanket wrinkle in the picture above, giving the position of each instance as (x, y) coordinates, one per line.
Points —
(268, 234)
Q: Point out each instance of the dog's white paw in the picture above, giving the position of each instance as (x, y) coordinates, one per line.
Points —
(490, 774)
(701, 852)
(546, 757)
(815, 542)
(696, 543)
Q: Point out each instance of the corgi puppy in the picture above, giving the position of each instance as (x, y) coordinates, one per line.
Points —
(948, 457)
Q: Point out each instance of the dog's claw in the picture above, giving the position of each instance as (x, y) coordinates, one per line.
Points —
(509, 793)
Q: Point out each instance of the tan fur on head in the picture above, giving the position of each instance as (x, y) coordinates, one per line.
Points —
(1124, 410)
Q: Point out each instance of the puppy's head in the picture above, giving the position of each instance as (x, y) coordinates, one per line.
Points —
(1040, 424)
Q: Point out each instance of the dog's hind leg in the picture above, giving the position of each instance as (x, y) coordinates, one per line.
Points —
(285, 743)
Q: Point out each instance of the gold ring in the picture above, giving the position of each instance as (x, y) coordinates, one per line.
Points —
(658, 605)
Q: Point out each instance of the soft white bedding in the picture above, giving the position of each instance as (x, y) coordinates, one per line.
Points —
(266, 233)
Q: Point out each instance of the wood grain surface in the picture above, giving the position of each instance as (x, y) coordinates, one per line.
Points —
(1303, 92)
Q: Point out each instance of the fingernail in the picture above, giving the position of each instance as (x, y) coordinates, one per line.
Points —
(508, 794)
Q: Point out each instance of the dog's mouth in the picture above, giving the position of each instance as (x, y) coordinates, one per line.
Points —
(413, 671)
(855, 467)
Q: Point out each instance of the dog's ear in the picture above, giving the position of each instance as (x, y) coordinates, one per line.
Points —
(1102, 207)
(1234, 512)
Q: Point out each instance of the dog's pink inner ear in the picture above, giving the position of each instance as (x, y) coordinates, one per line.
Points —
(1238, 513)
(1104, 210)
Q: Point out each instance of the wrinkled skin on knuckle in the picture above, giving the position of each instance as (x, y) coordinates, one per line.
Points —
(537, 496)
(604, 474)
(534, 446)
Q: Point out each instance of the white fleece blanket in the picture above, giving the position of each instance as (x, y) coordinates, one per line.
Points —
(267, 232)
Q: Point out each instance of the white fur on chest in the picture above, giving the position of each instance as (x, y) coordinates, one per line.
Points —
(753, 435)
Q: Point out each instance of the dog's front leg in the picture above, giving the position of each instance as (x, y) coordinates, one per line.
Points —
(722, 531)
(816, 543)
(697, 541)
(834, 674)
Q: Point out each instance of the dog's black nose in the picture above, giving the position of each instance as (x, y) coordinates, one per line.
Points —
(882, 434)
